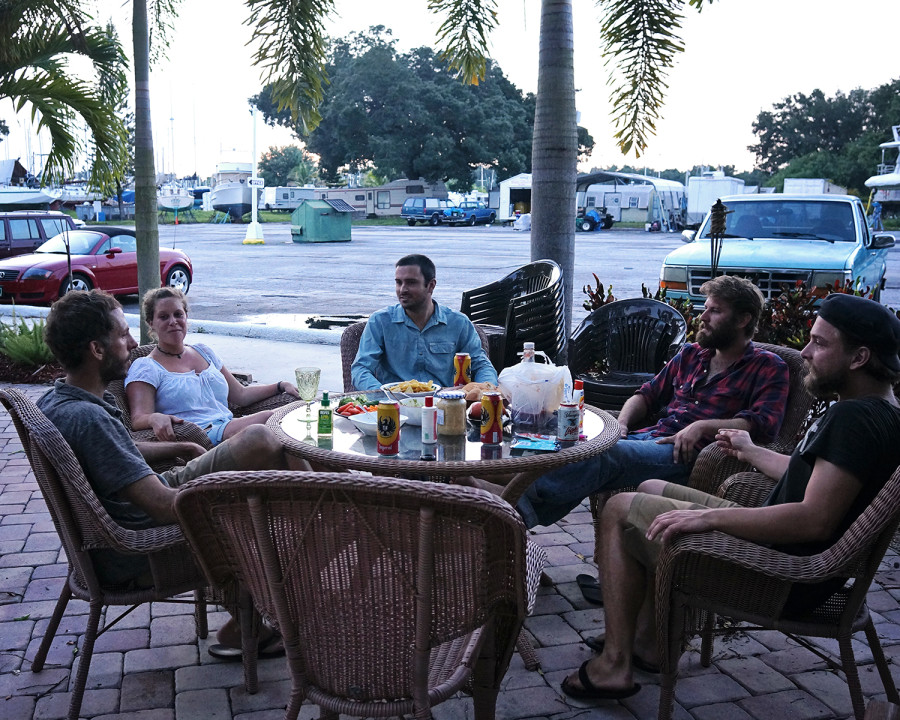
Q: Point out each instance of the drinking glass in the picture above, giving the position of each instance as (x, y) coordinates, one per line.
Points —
(307, 385)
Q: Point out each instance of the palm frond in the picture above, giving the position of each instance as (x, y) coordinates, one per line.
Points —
(464, 33)
(640, 42)
(291, 53)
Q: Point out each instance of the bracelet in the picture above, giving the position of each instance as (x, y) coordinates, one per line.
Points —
(278, 388)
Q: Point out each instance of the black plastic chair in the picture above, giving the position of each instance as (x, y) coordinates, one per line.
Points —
(620, 346)
(528, 304)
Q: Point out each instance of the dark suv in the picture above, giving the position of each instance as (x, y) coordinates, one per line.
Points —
(21, 231)
(432, 210)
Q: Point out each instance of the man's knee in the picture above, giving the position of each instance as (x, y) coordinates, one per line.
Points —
(652, 487)
(256, 441)
(616, 507)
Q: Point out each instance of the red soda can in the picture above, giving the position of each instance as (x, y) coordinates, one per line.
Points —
(567, 422)
(388, 428)
(462, 369)
(491, 418)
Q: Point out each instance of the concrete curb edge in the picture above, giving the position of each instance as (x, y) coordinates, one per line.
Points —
(213, 327)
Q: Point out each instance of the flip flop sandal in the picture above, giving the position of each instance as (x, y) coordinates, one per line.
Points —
(597, 643)
(589, 691)
(590, 588)
(272, 647)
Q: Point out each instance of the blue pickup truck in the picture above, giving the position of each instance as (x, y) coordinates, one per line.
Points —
(472, 212)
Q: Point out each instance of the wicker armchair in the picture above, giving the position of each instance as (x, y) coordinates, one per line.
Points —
(391, 595)
(84, 526)
(186, 431)
(713, 466)
(350, 345)
(707, 574)
(529, 303)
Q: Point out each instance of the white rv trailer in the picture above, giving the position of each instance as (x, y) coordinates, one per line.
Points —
(384, 200)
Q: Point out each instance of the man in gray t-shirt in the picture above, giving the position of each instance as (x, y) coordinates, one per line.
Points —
(89, 336)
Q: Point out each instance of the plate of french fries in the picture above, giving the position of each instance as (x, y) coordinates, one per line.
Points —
(410, 388)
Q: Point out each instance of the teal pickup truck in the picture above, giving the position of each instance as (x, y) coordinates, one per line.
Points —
(777, 240)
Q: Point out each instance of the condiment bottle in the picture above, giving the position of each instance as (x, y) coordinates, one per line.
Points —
(325, 419)
(578, 398)
(451, 413)
(429, 422)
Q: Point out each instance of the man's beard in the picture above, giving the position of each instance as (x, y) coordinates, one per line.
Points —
(113, 369)
(825, 387)
(721, 337)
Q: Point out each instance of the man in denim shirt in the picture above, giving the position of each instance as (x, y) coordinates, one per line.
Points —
(417, 338)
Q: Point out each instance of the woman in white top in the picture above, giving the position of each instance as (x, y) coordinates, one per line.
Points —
(178, 382)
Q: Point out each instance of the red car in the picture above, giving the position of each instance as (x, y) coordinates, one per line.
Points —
(102, 257)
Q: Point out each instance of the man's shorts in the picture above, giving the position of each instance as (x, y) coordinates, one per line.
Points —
(219, 458)
(644, 509)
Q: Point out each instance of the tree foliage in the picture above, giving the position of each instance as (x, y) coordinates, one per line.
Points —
(831, 137)
(285, 165)
(408, 115)
(38, 38)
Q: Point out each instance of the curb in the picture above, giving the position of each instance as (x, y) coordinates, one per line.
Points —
(248, 330)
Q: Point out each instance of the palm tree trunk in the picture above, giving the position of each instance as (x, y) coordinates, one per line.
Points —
(145, 223)
(554, 154)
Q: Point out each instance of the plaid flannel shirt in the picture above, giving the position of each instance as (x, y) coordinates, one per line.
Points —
(754, 388)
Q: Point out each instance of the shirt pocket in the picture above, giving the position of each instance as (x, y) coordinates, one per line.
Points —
(441, 348)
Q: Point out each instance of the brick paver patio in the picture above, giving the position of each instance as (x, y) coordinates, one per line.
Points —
(152, 667)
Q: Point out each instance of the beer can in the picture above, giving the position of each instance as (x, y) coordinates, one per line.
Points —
(567, 422)
(462, 369)
(491, 418)
(491, 452)
(388, 423)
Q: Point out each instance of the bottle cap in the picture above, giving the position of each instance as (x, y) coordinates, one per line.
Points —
(529, 346)
(325, 400)
(429, 401)
(579, 384)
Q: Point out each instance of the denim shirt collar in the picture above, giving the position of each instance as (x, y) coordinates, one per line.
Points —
(438, 317)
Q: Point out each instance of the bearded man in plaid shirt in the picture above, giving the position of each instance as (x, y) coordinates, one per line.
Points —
(721, 381)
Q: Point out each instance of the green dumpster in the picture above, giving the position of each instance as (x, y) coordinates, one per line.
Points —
(321, 221)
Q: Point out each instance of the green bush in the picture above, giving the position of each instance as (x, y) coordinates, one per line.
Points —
(786, 319)
(24, 344)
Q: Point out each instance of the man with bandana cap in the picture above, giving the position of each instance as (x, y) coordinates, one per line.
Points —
(843, 461)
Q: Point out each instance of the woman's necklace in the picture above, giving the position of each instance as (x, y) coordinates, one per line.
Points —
(170, 354)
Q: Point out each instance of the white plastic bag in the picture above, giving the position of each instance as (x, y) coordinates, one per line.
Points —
(534, 391)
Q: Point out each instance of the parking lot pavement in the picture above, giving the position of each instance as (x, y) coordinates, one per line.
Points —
(152, 667)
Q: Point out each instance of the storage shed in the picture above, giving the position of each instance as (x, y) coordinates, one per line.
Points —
(321, 221)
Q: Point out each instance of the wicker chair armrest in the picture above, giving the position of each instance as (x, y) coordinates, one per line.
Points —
(270, 403)
(147, 540)
(184, 432)
(749, 489)
(711, 551)
(712, 468)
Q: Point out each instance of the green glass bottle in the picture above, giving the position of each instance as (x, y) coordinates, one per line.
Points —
(325, 419)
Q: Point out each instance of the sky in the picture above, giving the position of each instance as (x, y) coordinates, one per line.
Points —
(741, 57)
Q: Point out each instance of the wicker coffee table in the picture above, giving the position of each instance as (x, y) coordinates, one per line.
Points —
(348, 449)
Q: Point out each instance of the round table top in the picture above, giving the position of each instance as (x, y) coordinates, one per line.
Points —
(349, 449)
